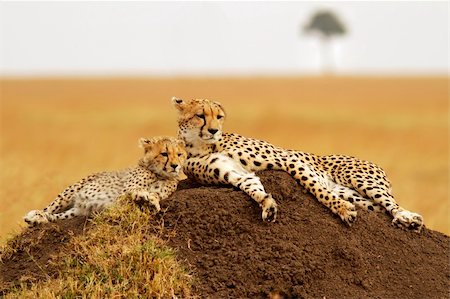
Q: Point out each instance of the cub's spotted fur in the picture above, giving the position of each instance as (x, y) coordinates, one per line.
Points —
(339, 182)
(155, 178)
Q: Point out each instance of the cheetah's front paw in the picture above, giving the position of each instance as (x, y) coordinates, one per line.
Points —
(146, 198)
(36, 217)
(269, 209)
(409, 220)
(347, 212)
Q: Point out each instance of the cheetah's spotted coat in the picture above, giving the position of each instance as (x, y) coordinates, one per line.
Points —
(155, 178)
(339, 182)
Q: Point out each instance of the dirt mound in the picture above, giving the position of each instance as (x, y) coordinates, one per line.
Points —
(32, 252)
(307, 253)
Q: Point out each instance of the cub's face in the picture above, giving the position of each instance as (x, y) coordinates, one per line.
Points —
(163, 156)
(199, 120)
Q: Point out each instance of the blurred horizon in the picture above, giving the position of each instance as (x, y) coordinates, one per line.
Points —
(220, 39)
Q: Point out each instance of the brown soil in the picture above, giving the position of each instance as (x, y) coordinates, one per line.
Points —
(307, 253)
(35, 249)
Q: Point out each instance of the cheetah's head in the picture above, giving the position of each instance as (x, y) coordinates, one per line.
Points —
(199, 120)
(164, 156)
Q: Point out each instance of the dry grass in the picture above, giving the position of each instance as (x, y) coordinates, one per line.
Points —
(53, 132)
(116, 258)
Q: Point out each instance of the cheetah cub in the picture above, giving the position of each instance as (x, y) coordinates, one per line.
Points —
(154, 178)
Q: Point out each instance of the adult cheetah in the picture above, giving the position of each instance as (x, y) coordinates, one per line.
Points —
(154, 178)
(338, 182)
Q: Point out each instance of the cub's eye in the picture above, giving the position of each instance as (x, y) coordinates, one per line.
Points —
(164, 154)
(202, 116)
(219, 116)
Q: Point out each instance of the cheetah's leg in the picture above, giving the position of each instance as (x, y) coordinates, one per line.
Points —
(65, 198)
(220, 169)
(35, 217)
(38, 217)
(62, 201)
(322, 188)
(82, 207)
(406, 219)
(354, 197)
(143, 196)
(401, 217)
(153, 194)
(69, 214)
(371, 182)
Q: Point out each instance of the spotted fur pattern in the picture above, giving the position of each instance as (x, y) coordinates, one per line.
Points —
(154, 179)
(339, 182)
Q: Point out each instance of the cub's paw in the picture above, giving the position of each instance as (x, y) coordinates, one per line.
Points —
(347, 212)
(409, 220)
(36, 217)
(145, 198)
(154, 201)
(269, 209)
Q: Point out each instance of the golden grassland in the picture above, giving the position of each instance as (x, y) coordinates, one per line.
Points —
(56, 131)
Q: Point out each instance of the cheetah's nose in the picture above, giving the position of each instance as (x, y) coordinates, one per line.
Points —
(174, 166)
(212, 131)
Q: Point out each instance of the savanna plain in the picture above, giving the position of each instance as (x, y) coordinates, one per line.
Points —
(56, 131)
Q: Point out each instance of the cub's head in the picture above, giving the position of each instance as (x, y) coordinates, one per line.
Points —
(199, 120)
(163, 156)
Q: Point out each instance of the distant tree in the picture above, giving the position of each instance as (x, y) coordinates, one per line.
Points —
(327, 25)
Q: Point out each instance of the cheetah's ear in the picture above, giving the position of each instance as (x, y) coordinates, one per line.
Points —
(145, 143)
(221, 107)
(180, 104)
(181, 143)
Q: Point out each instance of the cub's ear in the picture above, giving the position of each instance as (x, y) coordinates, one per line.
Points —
(180, 104)
(145, 143)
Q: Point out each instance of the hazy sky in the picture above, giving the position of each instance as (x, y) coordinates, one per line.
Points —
(179, 38)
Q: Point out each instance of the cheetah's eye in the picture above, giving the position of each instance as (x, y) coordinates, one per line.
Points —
(219, 116)
(164, 154)
(202, 116)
